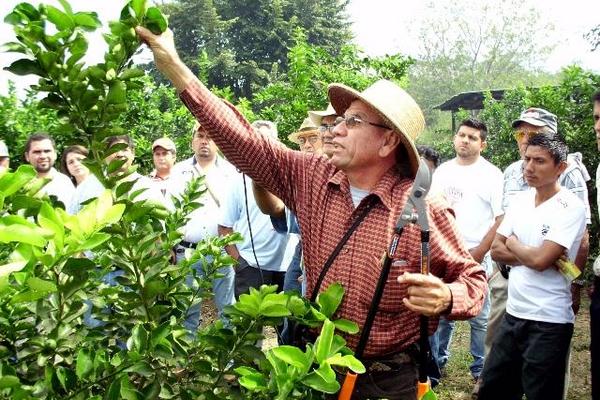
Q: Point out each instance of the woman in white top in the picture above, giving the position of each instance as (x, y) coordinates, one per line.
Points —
(86, 184)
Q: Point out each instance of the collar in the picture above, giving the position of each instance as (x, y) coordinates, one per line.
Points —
(384, 189)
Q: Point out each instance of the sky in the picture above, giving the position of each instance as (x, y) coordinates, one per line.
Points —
(380, 27)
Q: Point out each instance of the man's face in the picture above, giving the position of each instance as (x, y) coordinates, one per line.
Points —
(539, 167)
(126, 154)
(310, 142)
(163, 159)
(468, 143)
(326, 129)
(522, 133)
(41, 155)
(597, 122)
(357, 147)
(203, 146)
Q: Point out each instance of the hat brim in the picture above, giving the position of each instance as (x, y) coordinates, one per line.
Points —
(293, 137)
(341, 96)
(531, 121)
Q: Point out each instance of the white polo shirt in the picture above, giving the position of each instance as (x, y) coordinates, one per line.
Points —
(61, 187)
(203, 221)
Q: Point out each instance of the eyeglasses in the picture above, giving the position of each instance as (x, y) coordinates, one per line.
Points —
(325, 127)
(311, 139)
(520, 134)
(353, 121)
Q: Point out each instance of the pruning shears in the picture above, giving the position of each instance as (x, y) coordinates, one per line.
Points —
(414, 212)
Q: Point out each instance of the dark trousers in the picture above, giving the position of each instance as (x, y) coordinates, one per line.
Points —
(392, 378)
(527, 357)
(595, 339)
(247, 276)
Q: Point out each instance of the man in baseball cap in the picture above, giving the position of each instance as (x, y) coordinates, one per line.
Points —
(4, 157)
(164, 155)
(367, 180)
(308, 137)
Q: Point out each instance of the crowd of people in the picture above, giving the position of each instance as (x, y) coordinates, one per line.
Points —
(501, 243)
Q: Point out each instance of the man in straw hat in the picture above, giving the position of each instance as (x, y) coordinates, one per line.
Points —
(307, 137)
(370, 174)
(325, 120)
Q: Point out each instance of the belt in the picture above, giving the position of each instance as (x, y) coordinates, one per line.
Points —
(393, 362)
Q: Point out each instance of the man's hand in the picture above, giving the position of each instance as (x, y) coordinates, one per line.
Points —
(427, 294)
(165, 56)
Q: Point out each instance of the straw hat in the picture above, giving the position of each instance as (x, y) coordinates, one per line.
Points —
(317, 116)
(308, 127)
(396, 107)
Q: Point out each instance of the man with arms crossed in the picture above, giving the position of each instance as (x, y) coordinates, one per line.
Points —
(529, 351)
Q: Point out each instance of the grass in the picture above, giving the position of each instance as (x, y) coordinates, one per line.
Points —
(457, 383)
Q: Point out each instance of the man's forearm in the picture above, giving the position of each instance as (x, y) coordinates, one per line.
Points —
(268, 203)
(232, 249)
(583, 251)
(500, 253)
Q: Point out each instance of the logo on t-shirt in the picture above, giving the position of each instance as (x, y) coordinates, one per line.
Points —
(545, 229)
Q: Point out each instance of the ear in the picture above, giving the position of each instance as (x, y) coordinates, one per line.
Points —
(26, 156)
(391, 140)
(562, 166)
(483, 145)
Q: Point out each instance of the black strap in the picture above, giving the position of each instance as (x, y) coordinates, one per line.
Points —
(340, 245)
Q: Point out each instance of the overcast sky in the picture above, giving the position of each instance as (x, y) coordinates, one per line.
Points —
(380, 27)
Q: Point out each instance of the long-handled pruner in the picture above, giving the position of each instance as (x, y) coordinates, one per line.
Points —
(414, 212)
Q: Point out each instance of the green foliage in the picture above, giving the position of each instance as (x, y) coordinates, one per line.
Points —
(91, 305)
(235, 44)
(289, 96)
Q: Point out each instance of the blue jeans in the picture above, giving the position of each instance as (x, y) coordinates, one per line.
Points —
(294, 272)
(443, 336)
(223, 289)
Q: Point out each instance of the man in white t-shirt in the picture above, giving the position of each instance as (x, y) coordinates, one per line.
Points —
(164, 154)
(541, 226)
(218, 175)
(40, 152)
(473, 187)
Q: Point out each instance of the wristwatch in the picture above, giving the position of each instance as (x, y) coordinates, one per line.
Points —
(578, 282)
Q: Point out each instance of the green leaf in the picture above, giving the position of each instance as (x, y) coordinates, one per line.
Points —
(151, 391)
(89, 99)
(59, 18)
(9, 381)
(116, 93)
(131, 73)
(324, 341)
(139, 7)
(347, 361)
(66, 6)
(138, 339)
(11, 182)
(114, 390)
(22, 234)
(13, 47)
(330, 299)
(41, 285)
(318, 382)
(25, 66)
(84, 364)
(29, 11)
(87, 20)
(155, 21)
(141, 368)
(347, 326)
(293, 356)
(94, 241)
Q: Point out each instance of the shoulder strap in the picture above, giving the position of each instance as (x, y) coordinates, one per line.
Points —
(340, 245)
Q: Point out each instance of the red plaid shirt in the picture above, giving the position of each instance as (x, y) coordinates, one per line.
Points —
(319, 194)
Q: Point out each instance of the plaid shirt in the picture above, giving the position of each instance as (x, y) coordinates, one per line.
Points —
(320, 196)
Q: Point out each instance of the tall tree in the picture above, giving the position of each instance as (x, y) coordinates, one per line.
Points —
(479, 46)
(237, 44)
(593, 36)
